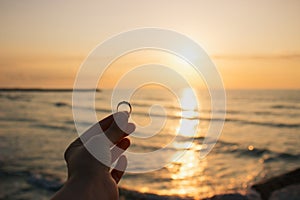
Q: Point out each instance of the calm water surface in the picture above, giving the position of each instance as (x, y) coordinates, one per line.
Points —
(260, 139)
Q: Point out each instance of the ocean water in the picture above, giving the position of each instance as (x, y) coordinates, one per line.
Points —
(260, 139)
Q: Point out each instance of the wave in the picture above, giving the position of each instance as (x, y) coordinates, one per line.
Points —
(286, 107)
(53, 127)
(45, 181)
(266, 113)
(206, 111)
(16, 97)
(227, 147)
(103, 110)
(266, 154)
(17, 119)
(252, 153)
(52, 184)
(281, 156)
(40, 180)
(152, 104)
(271, 124)
(231, 112)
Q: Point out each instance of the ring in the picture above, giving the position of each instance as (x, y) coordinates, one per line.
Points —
(124, 102)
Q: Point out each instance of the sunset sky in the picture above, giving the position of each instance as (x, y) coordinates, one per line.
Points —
(255, 44)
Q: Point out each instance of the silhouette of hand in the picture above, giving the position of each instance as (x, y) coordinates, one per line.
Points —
(88, 178)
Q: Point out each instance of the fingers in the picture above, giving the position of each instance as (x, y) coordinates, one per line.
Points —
(118, 171)
(115, 126)
(117, 150)
(104, 124)
(120, 127)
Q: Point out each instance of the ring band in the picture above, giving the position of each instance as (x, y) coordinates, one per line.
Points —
(127, 103)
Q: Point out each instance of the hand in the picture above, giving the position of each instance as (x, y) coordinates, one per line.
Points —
(88, 178)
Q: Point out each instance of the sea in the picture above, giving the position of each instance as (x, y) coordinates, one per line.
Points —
(260, 139)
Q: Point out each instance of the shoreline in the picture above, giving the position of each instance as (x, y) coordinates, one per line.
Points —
(281, 187)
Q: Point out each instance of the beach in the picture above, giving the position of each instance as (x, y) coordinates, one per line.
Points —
(259, 141)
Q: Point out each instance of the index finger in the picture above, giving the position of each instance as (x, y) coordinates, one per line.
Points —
(100, 127)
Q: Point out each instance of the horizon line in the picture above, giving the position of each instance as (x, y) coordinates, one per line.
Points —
(34, 89)
(15, 89)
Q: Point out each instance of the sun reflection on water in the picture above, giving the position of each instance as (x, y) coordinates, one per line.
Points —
(188, 100)
(187, 172)
(189, 114)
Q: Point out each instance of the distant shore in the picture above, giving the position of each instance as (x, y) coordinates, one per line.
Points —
(45, 90)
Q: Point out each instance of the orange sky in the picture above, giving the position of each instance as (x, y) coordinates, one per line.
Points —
(255, 44)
